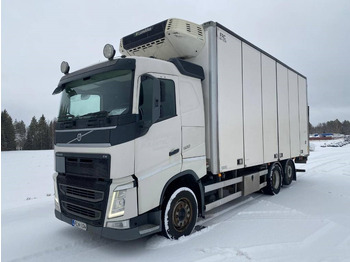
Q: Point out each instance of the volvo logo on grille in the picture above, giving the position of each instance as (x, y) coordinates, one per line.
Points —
(79, 137)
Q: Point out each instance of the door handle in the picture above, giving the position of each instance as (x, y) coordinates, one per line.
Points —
(174, 152)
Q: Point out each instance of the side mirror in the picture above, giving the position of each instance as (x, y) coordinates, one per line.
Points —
(149, 101)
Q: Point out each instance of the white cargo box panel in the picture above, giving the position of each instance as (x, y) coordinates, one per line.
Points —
(283, 112)
(269, 101)
(293, 114)
(252, 107)
(303, 117)
(230, 106)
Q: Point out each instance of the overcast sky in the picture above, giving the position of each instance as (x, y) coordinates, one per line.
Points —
(313, 37)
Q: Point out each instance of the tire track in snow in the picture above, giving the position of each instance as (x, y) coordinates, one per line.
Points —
(325, 160)
(219, 254)
(71, 247)
(228, 210)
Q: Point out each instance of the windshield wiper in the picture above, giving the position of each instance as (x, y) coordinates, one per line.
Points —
(66, 117)
(96, 114)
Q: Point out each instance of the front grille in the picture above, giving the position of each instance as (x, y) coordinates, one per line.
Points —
(94, 166)
(82, 193)
(83, 198)
(80, 211)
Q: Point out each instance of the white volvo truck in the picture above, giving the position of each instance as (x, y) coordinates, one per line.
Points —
(189, 118)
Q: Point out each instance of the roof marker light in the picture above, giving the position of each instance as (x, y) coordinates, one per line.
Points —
(65, 67)
(109, 51)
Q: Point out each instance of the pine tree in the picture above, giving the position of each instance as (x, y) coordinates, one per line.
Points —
(346, 127)
(311, 129)
(52, 126)
(7, 132)
(43, 134)
(31, 141)
(20, 131)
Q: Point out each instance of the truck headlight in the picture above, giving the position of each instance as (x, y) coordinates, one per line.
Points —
(117, 204)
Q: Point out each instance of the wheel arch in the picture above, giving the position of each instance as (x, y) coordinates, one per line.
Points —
(279, 163)
(187, 178)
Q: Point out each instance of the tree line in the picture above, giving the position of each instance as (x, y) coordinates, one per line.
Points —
(39, 135)
(335, 126)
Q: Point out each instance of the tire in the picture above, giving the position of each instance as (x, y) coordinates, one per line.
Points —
(288, 172)
(180, 214)
(273, 179)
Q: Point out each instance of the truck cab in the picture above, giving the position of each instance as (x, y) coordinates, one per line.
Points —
(121, 136)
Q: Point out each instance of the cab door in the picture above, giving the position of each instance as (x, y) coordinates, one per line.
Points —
(158, 151)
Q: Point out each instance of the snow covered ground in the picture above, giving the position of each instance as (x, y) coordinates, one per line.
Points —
(307, 221)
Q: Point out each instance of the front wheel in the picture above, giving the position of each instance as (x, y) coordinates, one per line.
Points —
(180, 215)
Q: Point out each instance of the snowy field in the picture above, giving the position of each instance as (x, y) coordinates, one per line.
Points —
(307, 221)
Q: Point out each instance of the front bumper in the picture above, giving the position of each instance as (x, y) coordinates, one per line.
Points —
(140, 226)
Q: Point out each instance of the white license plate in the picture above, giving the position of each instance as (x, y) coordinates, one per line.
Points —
(78, 224)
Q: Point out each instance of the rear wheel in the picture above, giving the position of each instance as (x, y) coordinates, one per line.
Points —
(288, 172)
(273, 179)
(180, 213)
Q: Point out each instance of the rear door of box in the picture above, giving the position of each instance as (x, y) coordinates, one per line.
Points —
(303, 117)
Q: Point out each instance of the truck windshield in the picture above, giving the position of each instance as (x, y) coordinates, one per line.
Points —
(100, 95)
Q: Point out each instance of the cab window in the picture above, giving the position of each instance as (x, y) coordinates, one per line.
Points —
(167, 99)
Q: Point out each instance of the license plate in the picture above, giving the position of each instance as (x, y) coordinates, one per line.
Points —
(78, 224)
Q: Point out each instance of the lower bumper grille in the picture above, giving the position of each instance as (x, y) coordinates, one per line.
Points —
(82, 193)
(80, 211)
